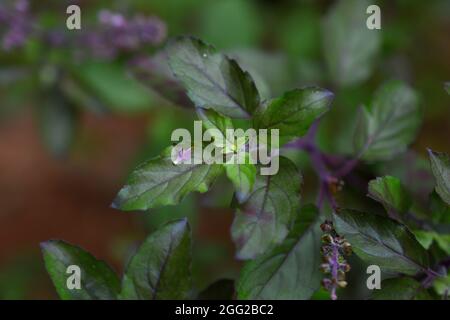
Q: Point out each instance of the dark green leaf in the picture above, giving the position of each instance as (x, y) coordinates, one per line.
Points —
(443, 241)
(426, 239)
(243, 177)
(215, 121)
(272, 72)
(161, 268)
(264, 219)
(391, 194)
(440, 211)
(155, 74)
(112, 85)
(294, 112)
(160, 182)
(212, 80)
(349, 46)
(382, 241)
(390, 125)
(403, 288)
(57, 121)
(440, 165)
(98, 281)
(80, 96)
(291, 269)
(442, 285)
(220, 290)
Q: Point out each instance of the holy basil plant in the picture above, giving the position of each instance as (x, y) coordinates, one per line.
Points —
(160, 269)
(288, 247)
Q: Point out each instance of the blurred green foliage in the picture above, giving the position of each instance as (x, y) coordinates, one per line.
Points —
(281, 43)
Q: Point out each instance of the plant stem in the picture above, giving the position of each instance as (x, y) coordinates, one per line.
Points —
(318, 163)
(431, 275)
(334, 270)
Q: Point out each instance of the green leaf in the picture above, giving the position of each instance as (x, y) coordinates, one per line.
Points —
(403, 288)
(426, 239)
(440, 211)
(215, 121)
(220, 290)
(391, 194)
(111, 84)
(154, 73)
(161, 268)
(382, 241)
(390, 125)
(294, 112)
(443, 241)
(212, 80)
(263, 220)
(271, 71)
(98, 280)
(57, 119)
(159, 182)
(291, 269)
(243, 177)
(440, 165)
(350, 48)
(442, 285)
(80, 96)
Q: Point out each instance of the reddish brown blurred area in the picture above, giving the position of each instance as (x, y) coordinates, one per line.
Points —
(45, 198)
(69, 199)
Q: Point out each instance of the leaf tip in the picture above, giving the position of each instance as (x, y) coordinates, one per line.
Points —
(118, 202)
(328, 94)
(181, 225)
(45, 245)
(48, 246)
(184, 222)
(115, 204)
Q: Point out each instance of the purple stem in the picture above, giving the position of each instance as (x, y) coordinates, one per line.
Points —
(334, 270)
(431, 275)
(347, 168)
(318, 162)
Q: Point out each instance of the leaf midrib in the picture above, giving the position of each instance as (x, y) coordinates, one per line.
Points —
(215, 85)
(281, 121)
(387, 247)
(163, 267)
(165, 181)
(306, 231)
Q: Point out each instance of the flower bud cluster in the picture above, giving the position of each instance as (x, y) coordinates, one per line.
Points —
(16, 24)
(334, 250)
(113, 34)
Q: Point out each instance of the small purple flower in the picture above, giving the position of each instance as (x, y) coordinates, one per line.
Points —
(22, 6)
(121, 34)
(111, 19)
(334, 250)
(183, 156)
(114, 33)
(18, 24)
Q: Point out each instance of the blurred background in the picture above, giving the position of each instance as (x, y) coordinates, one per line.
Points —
(79, 110)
